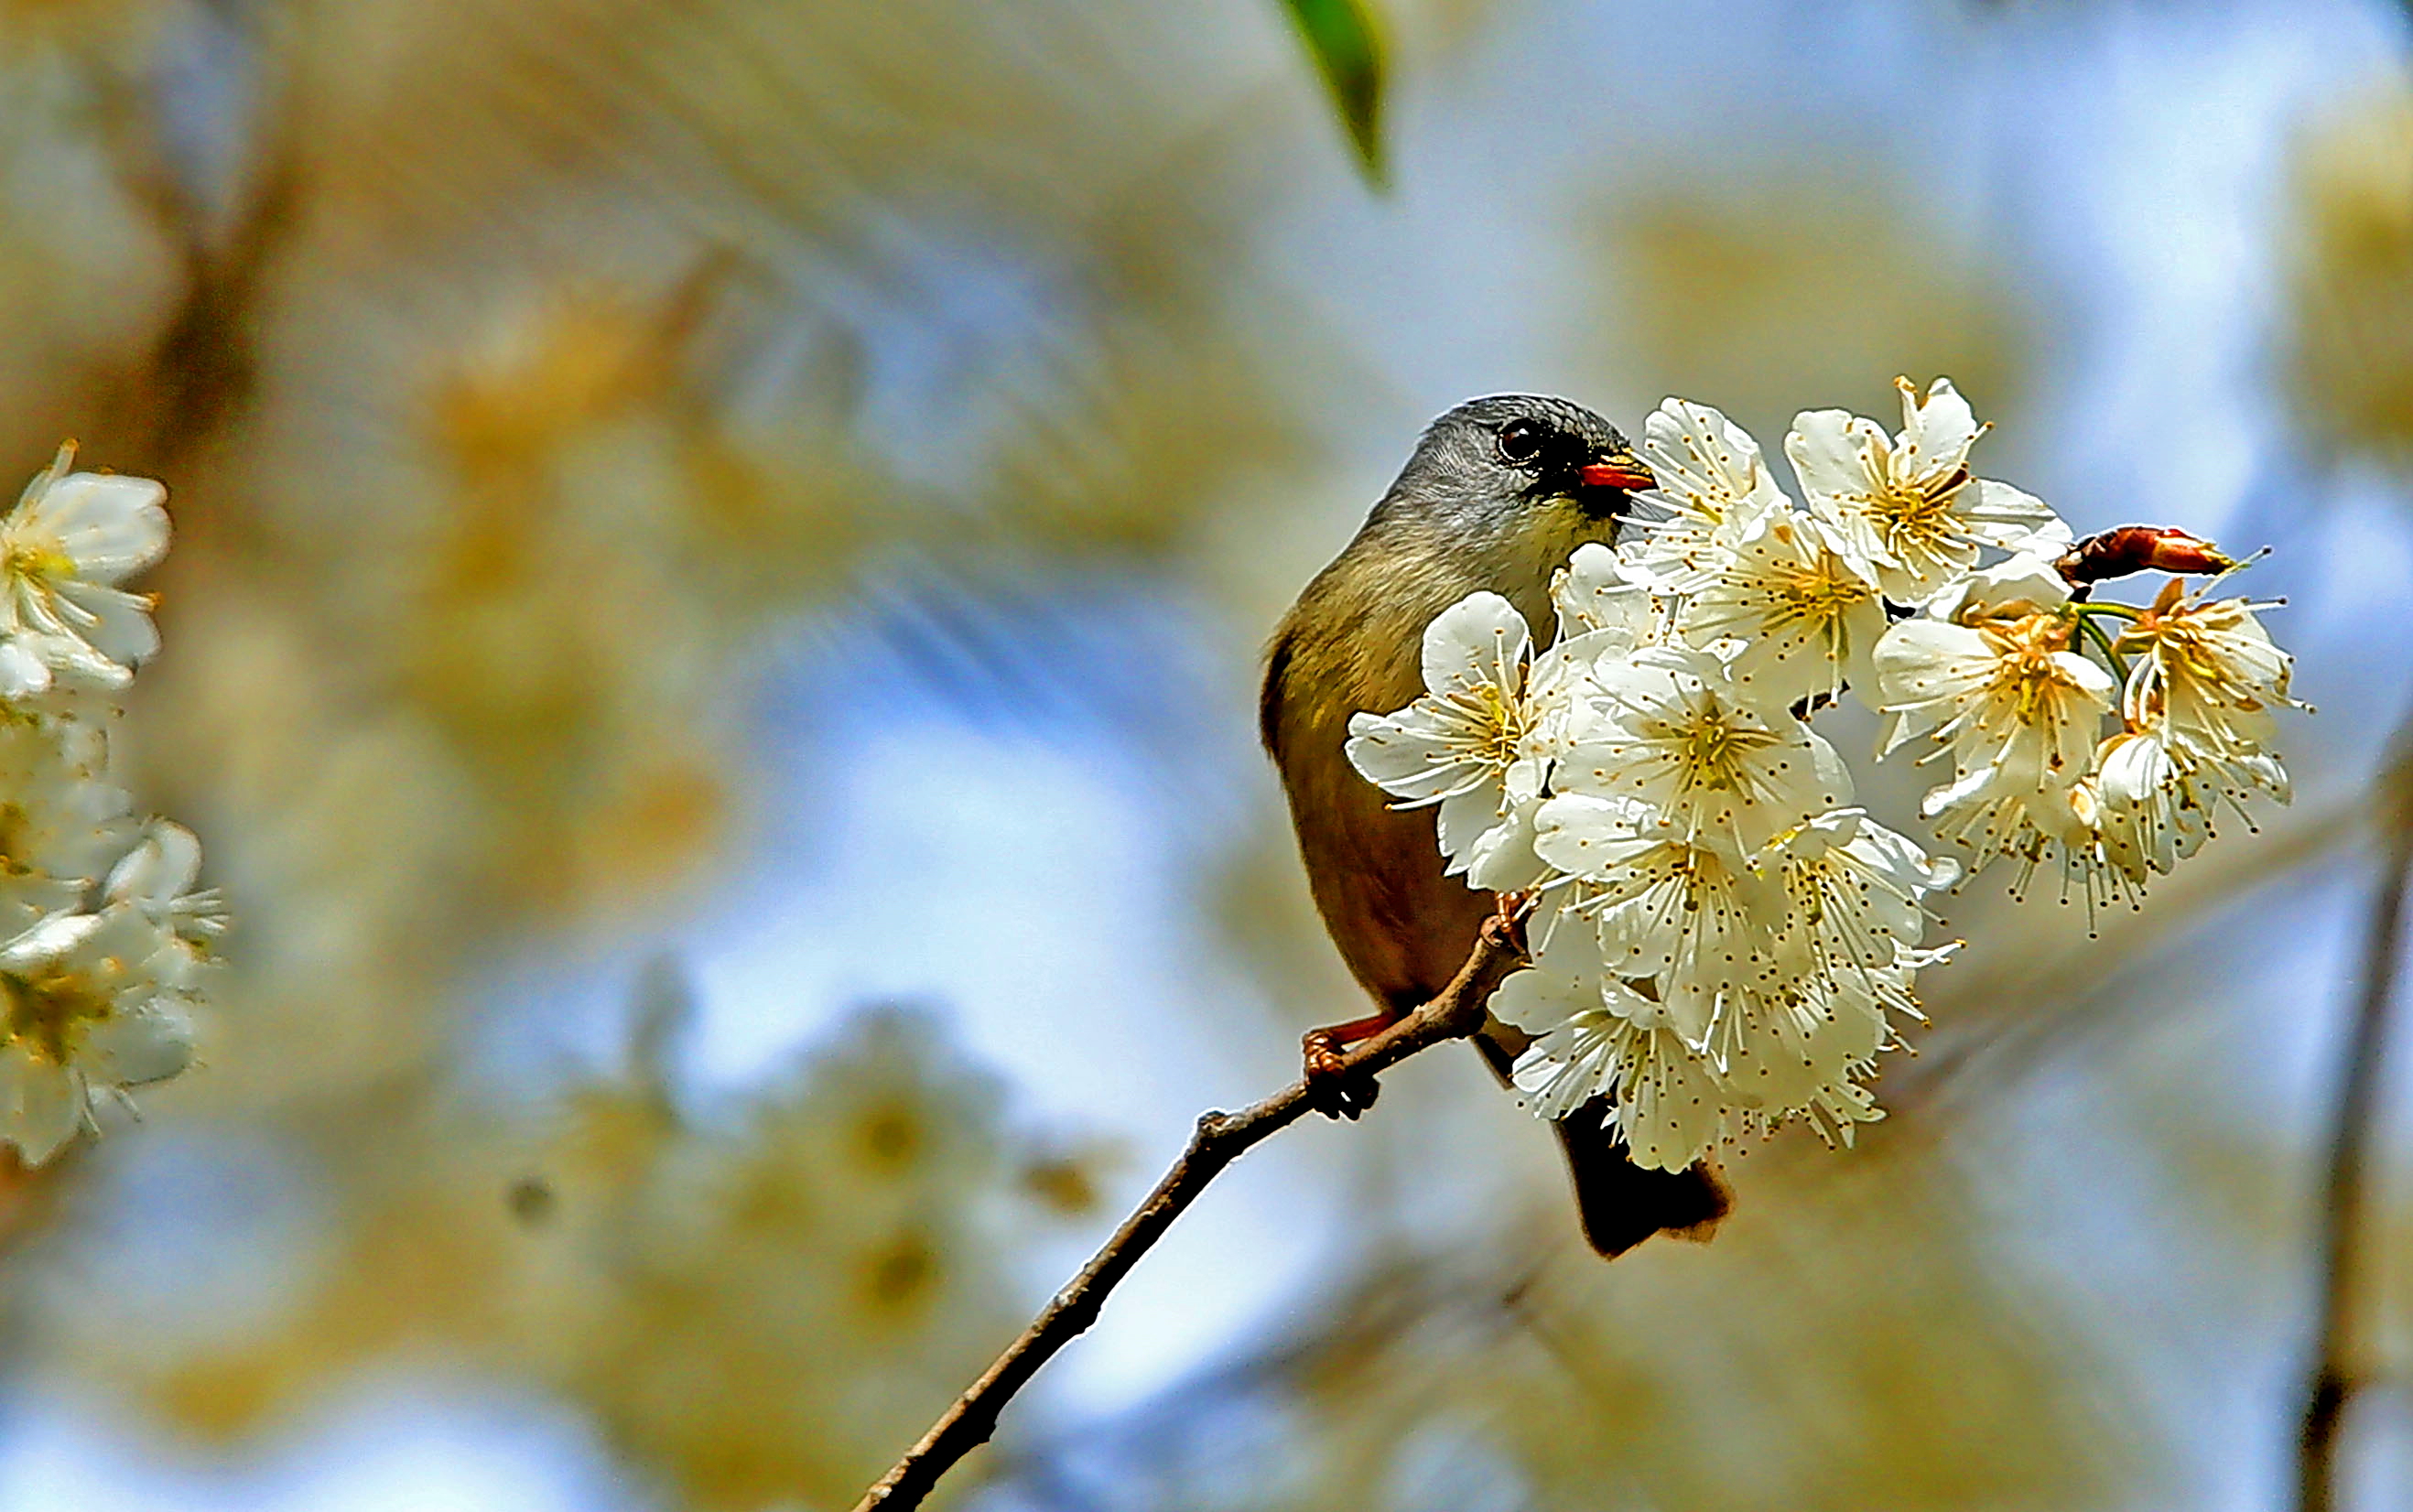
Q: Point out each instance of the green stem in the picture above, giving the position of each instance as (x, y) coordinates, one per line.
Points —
(2102, 638)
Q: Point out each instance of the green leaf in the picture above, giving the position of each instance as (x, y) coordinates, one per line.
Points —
(1347, 46)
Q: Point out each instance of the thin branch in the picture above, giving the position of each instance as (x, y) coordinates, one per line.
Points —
(1219, 1139)
(2337, 1369)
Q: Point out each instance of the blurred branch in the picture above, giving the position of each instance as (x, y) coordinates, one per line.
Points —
(1341, 36)
(205, 363)
(2336, 1370)
(1219, 1139)
(202, 368)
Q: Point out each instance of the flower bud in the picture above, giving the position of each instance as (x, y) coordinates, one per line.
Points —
(2139, 548)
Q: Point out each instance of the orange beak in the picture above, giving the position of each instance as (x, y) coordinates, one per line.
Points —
(1618, 470)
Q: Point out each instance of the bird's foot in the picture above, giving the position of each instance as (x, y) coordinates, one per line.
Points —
(1506, 926)
(1333, 1089)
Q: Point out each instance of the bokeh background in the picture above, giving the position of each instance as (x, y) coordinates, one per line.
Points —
(721, 550)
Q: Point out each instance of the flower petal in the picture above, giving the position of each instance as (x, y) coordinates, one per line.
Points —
(131, 1047)
(1480, 639)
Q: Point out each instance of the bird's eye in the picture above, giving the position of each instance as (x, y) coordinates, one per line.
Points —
(1520, 442)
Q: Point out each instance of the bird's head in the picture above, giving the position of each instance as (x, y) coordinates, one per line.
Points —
(1514, 463)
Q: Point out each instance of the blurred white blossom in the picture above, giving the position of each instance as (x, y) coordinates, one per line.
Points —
(1723, 942)
(62, 820)
(157, 877)
(71, 539)
(96, 1002)
(103, 936)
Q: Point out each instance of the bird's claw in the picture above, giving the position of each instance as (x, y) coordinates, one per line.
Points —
(1333, 1089)
(1506, 926)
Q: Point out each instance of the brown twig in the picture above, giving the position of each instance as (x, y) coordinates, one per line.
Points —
(2336, 1370)
(1219, 1139)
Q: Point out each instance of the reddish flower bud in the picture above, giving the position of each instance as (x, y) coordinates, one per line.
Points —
(2141, 548)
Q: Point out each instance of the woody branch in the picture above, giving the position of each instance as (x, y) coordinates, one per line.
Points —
(1219, 1139)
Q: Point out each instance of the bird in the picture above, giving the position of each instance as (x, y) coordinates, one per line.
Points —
(1496, 494)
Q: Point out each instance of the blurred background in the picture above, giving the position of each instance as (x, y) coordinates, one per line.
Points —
(722, 547)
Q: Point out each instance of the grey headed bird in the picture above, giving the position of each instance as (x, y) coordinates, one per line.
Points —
(1498, 494)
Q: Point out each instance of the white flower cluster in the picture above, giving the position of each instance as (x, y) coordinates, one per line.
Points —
(103, 939)
(1722, 940)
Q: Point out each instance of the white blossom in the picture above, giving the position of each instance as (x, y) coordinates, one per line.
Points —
(1714, 763)
(1800, 1055)
(1595, 1036)
(2017, 710)
(1602, 615)
(1710, 1001)
(1714, 486)
(71, 539)
(103, 936)
(1992, 675)
(61, 818)
(2150, 813)
(1687, 917)
(1798, 616)
(2209, 679)
(1472, 747)
(2159, 799)
(1599, 604)
(1909, 505)
(1855, 896)
(96, 1003)
(157, 876)
(2199, 710)
(1845, 957)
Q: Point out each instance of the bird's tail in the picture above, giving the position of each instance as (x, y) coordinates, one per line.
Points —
(1620, 1203)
